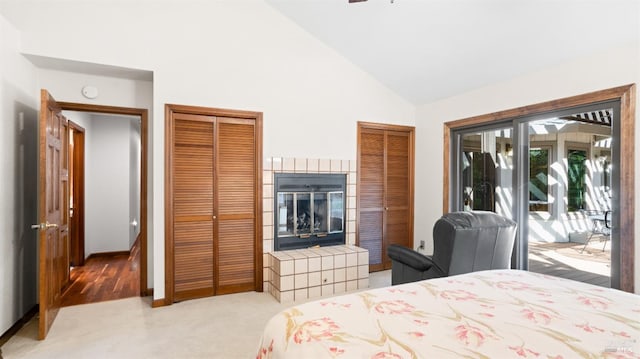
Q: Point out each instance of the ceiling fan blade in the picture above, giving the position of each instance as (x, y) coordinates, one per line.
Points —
(352, 1)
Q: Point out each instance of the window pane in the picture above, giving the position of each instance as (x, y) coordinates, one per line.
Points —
(303, 213)
(576, 174)
(285, 214)
(607, 174)
(478, 179)
(484, 171)
(320, 212)
(337, 216)
(538, 179)
(487, 171)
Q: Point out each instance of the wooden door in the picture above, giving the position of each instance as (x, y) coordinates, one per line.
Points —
(385, 190)
(235, 207)
(193, 213)
(398, 194)
(53, 210)
(76, 188)
(371, 199)
(214, 204)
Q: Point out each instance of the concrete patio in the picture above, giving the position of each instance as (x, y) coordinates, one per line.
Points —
(565, 260)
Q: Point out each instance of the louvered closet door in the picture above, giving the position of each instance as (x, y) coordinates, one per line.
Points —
(385, 190)
(397, 194)
(371, 196)
(236, 190)
(193, 164)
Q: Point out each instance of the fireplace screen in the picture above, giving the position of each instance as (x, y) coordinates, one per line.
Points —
(306, 213)
(309, 210)
(336, 212)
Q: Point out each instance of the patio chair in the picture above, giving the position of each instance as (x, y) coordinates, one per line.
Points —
(601, 225)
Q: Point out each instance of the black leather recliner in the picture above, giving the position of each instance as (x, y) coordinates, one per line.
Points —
(462, 242)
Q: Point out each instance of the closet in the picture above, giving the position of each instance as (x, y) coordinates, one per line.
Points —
(385, 190)
(214, 202)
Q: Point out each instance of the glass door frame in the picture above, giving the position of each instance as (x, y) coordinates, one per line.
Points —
(519, 125)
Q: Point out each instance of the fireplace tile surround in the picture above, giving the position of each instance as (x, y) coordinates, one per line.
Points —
(308, 273)
(273, 165)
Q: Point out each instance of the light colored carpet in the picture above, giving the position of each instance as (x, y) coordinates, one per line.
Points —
(227, 326)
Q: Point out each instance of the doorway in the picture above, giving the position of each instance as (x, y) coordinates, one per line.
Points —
(567, 201)
(99, 272)
(54, 202)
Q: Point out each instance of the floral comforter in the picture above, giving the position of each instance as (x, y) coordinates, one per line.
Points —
(490, 314)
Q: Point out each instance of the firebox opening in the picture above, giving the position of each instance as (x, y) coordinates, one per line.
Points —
(309, 210)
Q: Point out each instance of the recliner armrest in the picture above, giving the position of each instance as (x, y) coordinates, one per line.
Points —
(409, 257)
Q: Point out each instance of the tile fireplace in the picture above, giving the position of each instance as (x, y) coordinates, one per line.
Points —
(286, 165)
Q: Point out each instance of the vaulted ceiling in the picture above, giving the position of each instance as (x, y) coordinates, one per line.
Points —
(426, 50)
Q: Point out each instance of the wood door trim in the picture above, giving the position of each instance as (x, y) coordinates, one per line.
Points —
(78, 192)
(193, 117)
(627, 96)
(144, 157)
(168, 209)
(171, 110)
(385, 127)
(385, 205)
(364, 127)
(211, 111)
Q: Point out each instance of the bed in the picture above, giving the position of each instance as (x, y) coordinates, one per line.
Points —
(488, 314)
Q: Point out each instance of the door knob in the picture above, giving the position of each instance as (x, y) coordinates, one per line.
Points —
(45, 225)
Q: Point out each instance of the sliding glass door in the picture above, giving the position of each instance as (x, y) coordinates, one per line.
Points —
(556, 175)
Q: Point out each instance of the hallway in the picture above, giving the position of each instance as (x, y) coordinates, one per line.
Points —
(104, 277)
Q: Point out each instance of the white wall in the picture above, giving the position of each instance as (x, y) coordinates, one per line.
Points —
(18, 174)
(107, 185)
(112, 91)
(600, 71)
(82, 119)
(229, 54)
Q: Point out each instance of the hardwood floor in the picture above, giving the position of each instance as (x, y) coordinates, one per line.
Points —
(565, 260)
(104, 277)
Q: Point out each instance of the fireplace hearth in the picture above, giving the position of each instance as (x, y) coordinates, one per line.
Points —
(309, 210)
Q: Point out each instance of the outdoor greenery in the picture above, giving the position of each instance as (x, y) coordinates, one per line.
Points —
(576, 175)
(538, 175)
